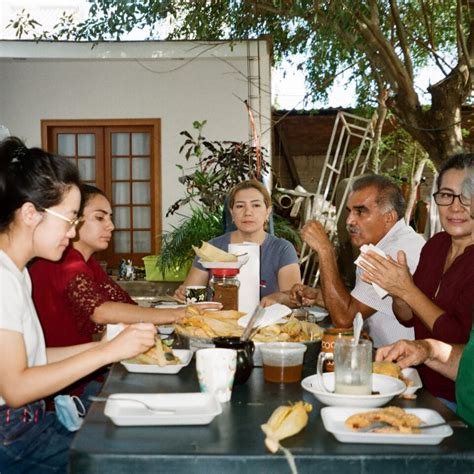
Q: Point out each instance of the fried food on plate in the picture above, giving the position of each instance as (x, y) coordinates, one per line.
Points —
(398, 420)
(210, 324)
(392, 370)
(160, 354)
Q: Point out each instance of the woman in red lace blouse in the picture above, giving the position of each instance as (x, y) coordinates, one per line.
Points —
(74, 297)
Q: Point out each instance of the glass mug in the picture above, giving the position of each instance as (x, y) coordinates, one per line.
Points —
(352, 367)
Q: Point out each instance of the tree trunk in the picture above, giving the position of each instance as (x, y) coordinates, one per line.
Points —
(437, 129)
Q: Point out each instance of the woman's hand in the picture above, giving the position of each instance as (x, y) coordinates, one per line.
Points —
(132, 341)
(392, 276)
(180, 294)
(406, 353)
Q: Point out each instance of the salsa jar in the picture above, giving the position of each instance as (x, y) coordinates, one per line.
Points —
(224, 286)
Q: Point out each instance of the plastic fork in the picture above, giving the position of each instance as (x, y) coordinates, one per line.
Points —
(156, 411)
(382, 424)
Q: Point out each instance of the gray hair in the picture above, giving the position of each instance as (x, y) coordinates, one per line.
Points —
(389, 195)
(467, 188)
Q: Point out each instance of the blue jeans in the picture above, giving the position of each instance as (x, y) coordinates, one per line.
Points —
(447, 403)
(32, 441)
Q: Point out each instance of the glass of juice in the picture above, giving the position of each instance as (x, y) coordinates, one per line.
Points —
(282, 361)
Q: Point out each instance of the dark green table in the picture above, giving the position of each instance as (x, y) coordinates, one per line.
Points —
(233, 442)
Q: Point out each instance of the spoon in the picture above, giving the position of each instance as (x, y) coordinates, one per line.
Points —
(357, 325)
(382, 424)
(156, 411)
(252, 322)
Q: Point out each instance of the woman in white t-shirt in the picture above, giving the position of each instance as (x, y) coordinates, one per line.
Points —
(39, 205)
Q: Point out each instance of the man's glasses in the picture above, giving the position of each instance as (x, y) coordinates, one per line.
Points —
(446, 199)
(72, 222)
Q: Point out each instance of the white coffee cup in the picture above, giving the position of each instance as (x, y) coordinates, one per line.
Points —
(352, 367)
(215, 370)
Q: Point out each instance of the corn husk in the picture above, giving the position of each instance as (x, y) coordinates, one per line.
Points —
(156, 355)
(284, 422)
(209, 253)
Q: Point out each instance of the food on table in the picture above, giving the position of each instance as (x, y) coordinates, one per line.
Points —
(397, 419)
(160, 355)
(209, 253)
(210, 324)
(285, 421)
(392, 370)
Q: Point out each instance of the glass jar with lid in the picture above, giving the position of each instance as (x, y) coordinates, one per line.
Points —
(224, 286)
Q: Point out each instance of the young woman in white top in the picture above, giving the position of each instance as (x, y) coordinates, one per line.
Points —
(39, 204)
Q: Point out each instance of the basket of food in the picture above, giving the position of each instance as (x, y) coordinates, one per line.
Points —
(198, 328)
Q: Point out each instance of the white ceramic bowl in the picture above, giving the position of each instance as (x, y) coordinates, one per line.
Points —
(388, 387)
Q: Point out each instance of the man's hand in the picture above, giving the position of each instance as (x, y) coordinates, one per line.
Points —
(406, 353)
(314, 234)
(302, 295)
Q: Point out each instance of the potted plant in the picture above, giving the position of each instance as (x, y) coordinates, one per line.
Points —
(216, 166)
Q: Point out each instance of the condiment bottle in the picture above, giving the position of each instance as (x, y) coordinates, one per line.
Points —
(224, 286)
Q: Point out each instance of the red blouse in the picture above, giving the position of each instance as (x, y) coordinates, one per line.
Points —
(453, 291)
(66, 294)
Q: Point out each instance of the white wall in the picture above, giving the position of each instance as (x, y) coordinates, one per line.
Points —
(136, 80)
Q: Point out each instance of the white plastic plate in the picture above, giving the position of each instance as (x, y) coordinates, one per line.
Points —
(185, 409)
(184, 354)
(317, 312)
(412, 374)
(242, 261)
(334, 418)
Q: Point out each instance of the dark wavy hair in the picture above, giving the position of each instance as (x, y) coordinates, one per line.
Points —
(88, 191)
(31, 175)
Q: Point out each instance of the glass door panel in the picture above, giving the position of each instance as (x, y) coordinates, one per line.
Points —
(120, 157)
(66, 145)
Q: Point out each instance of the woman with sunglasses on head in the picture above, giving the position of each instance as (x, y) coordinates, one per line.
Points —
(437, 301)
(454, 361)
(39, 205)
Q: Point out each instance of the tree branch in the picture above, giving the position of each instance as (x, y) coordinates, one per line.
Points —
(461, 39)
(402, 37)
(391, 66)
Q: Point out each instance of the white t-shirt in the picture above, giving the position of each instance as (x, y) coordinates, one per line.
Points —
(17, 311)
(383, 326)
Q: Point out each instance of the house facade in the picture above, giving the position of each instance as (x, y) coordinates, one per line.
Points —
(117, 110)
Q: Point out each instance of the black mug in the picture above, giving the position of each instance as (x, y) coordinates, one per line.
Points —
(245, 350)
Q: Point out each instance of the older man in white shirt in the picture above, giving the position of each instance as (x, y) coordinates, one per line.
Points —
(376, 208)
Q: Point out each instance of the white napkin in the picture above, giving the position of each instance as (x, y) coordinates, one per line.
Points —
(365, 248)
(249, 275)
(272, 315)
(113, 330)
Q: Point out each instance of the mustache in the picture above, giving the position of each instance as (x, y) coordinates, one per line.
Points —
(352, 229)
